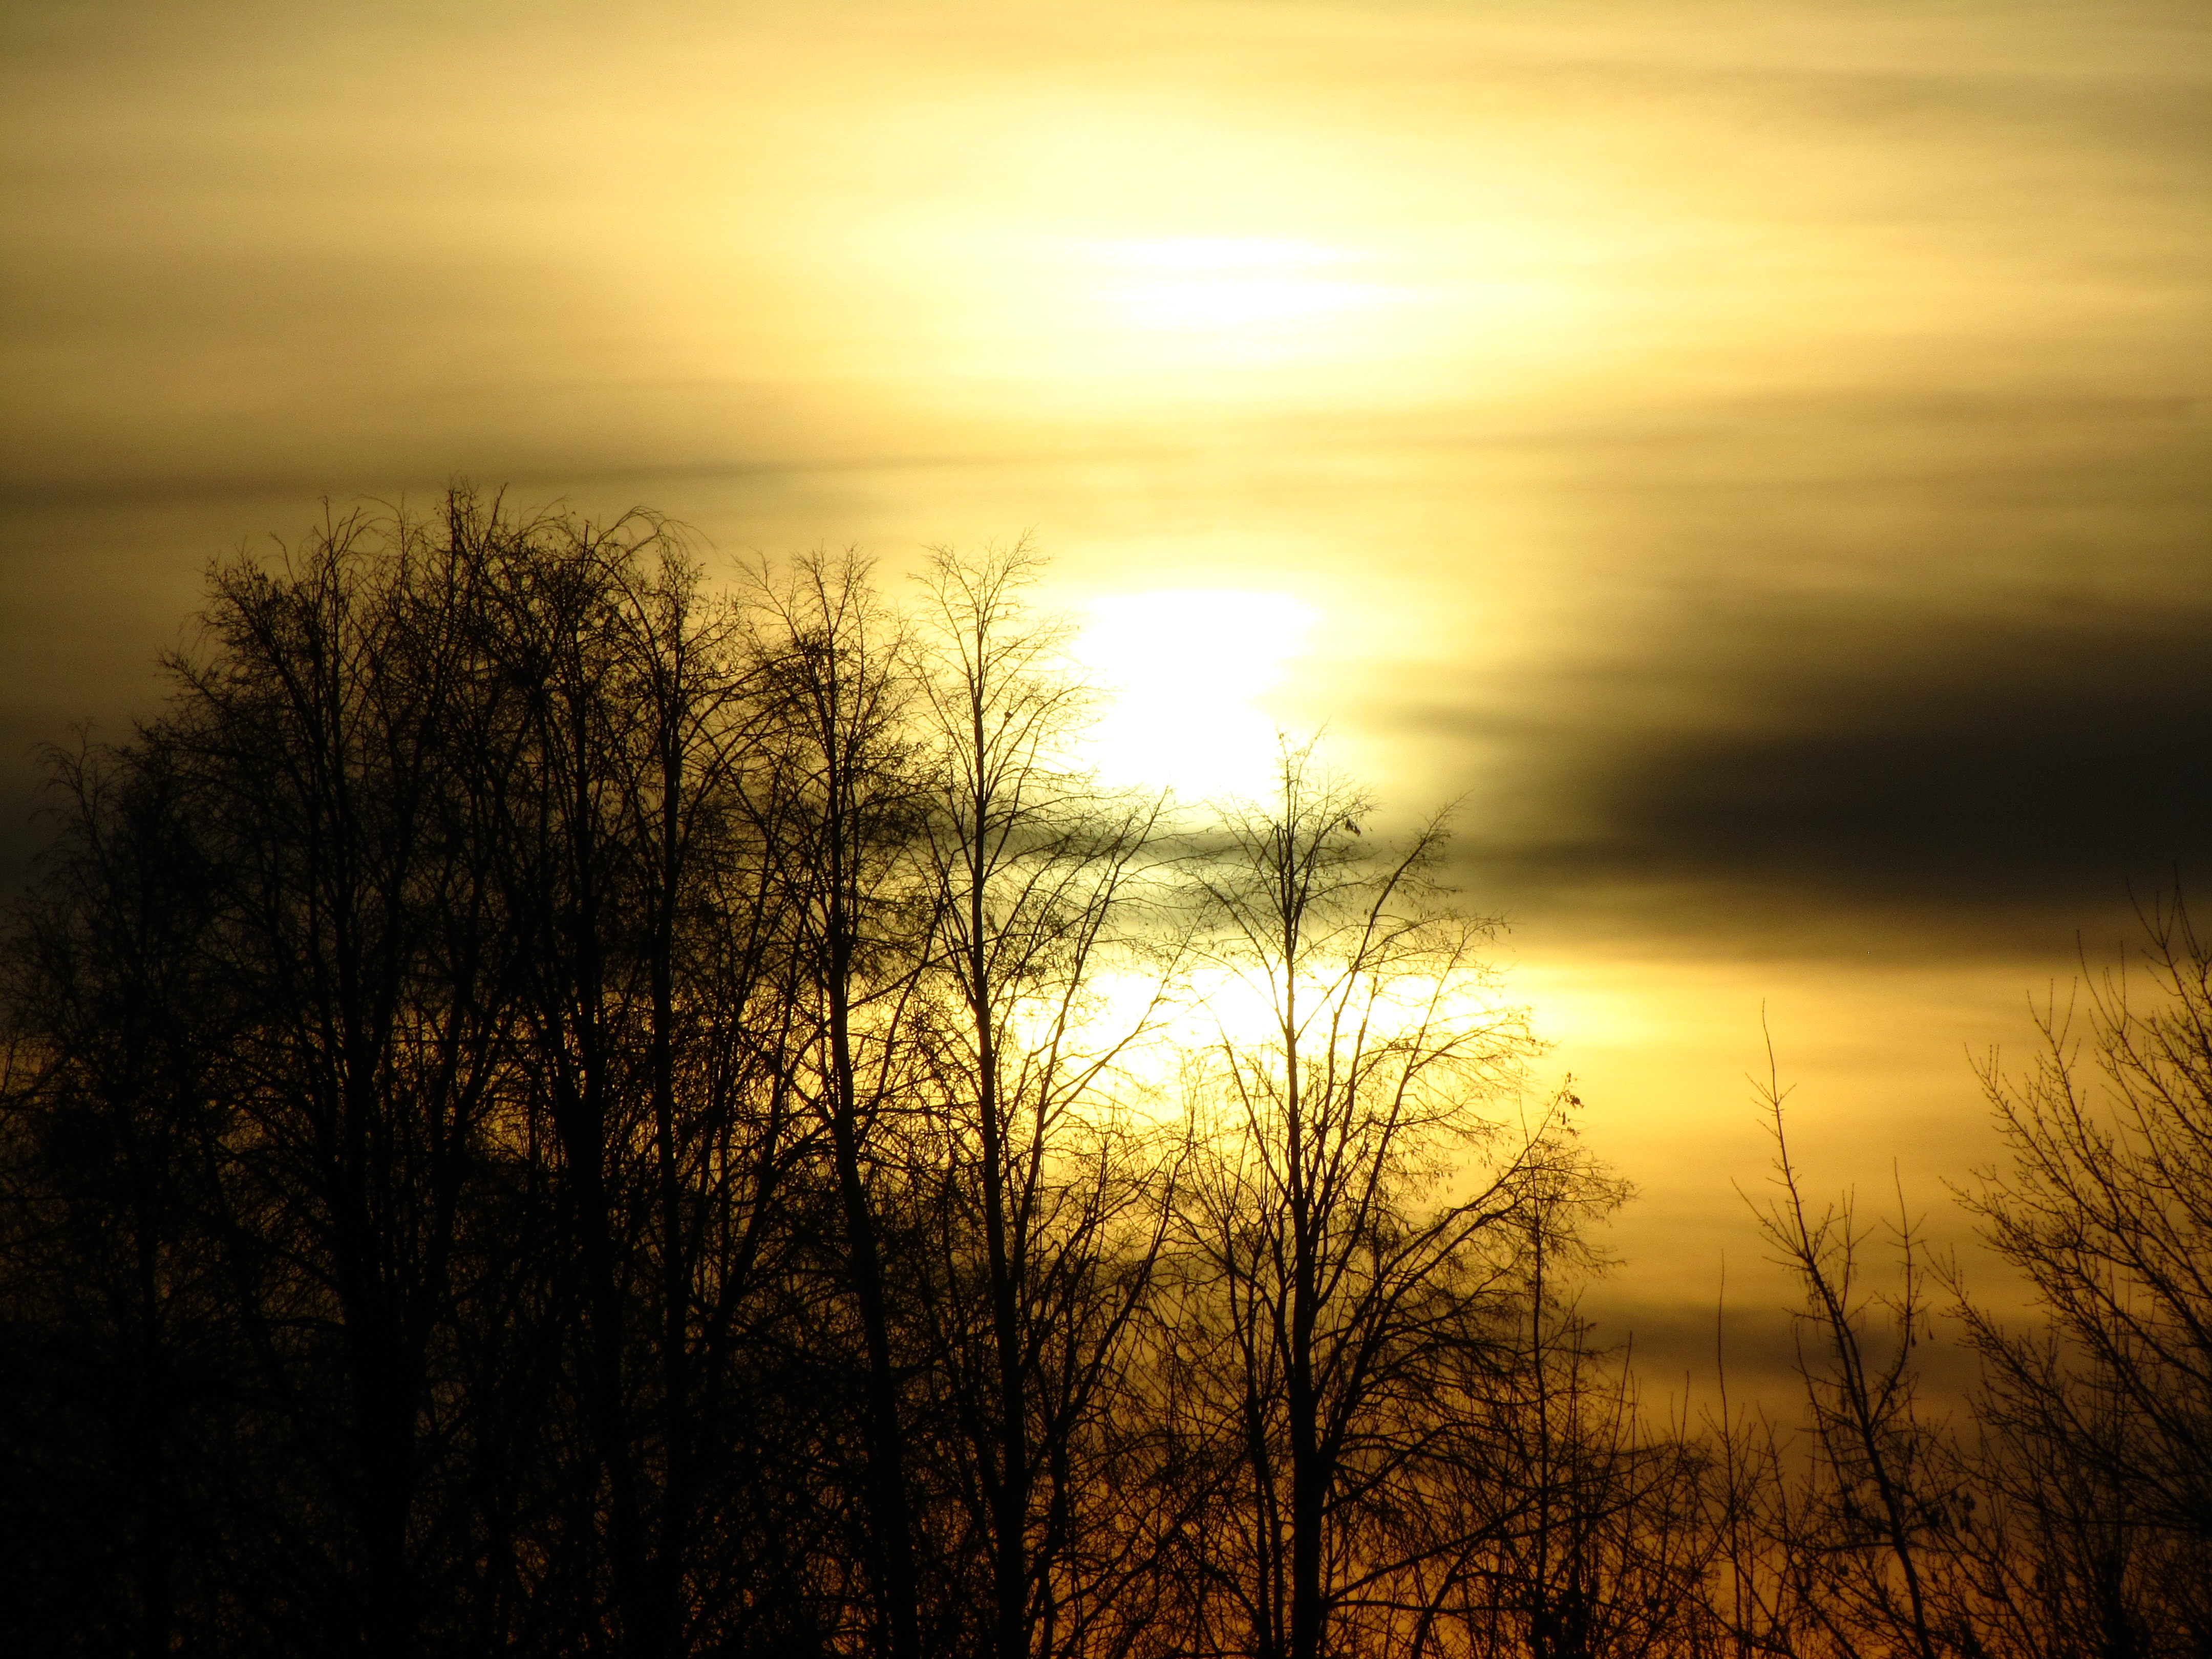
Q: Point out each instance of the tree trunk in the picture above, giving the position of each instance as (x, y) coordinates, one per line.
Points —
(890, 1536)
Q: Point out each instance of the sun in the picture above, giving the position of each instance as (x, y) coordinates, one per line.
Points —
(1186, 671)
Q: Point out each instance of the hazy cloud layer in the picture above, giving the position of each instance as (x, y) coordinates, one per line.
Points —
(1760, 451)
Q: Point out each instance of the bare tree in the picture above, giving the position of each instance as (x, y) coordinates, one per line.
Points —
(649, 1046)
(1037, 875)
(342, 725)
(1750, 1601)
(1868, 1535)
(1596, 1540)
(122, 1350)
(1354, 1230)
(419, 965)
(837, 795)
(2102, 1421)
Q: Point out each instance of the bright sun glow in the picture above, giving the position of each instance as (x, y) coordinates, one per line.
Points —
(1155, 1029)
(1218, 282)
(1187, 669)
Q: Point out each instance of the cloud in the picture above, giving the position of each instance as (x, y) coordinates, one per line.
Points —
(1834, 756)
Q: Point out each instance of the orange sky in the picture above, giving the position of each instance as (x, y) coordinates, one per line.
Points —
(1755, 454)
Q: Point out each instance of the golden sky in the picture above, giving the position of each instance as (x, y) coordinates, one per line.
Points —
(1755, 454)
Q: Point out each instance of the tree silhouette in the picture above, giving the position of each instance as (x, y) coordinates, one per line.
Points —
(553, 1106)
(1344, 1309)
(1035, 874)
(840, 802)
(2103, 1418)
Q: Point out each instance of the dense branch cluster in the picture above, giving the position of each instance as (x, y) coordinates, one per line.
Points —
(551, 1111)
(2070, 1517)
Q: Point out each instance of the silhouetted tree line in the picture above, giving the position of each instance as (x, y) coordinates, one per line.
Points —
(551, 1111)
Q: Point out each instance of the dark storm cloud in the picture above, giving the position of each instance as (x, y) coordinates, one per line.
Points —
(1853, 756)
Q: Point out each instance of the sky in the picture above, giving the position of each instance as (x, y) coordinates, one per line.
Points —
(1753, 456)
